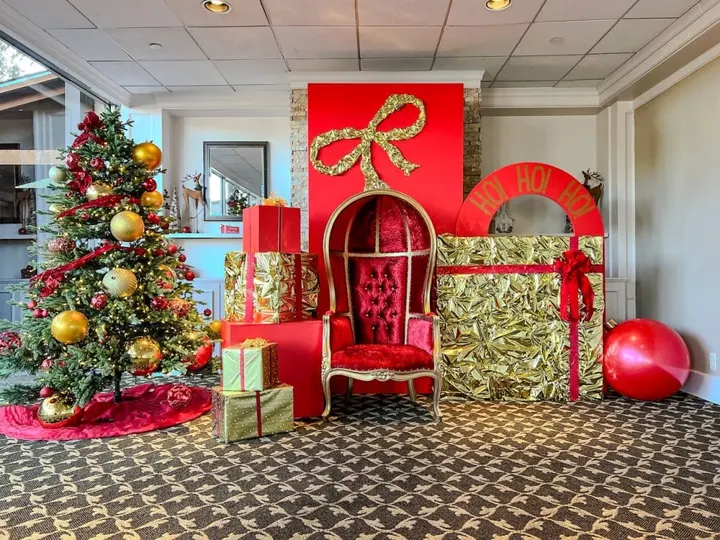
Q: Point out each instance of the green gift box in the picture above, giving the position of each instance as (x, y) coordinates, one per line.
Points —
(247, 415)
(250, 366)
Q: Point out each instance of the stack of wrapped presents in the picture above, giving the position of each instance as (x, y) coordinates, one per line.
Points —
(271, 334)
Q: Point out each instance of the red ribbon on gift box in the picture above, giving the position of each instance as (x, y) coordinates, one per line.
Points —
(572, 267)
(258, 411)
(250, 287)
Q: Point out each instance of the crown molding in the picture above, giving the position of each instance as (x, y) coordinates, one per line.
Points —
(471, 79)
(673, 39)
(539, 98)
(244, 102)
(58, 56)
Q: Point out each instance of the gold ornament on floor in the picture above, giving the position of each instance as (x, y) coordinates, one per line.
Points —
(368, 136)
(120, 282)
(148, 154)
(145, 354)
(56, 409)
(69, 327)
(152, 200)
(97, 190)
(127, 226)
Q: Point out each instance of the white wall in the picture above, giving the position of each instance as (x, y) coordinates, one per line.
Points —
(677, 160)
(568, 142)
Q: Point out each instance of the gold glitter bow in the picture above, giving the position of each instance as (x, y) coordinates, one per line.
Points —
(274, 200)
(367, 136)
(254, 343)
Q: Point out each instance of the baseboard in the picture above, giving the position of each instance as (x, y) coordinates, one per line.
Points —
(704, 386)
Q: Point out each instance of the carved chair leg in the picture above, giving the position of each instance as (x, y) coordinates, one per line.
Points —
(436, 396)
(328, 396)
(411, 391)
(349, 391)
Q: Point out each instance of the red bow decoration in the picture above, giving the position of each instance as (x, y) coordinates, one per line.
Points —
(52, 277)
(572, 269)
(105, 201)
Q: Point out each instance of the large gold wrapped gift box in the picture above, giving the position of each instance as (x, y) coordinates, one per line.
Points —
(284, 286)
(502, 334)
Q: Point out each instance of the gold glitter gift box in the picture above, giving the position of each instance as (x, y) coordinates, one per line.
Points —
(270, 287)
(503, 336)
(247, 415)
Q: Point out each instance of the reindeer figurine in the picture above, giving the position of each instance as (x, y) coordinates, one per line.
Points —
(197, 194)
(595, 184)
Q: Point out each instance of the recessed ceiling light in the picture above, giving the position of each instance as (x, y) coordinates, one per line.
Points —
(155, 46)
(216, 6)
(497, 5)
(557, 40)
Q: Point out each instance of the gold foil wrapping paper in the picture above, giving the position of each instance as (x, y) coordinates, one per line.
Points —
(273, 286)
(502, 335)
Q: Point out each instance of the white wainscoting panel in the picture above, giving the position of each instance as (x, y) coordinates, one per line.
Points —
(616, 299)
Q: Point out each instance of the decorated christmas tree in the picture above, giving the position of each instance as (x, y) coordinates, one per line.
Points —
(112, 295)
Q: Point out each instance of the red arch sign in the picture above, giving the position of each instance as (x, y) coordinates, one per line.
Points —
(528, 178)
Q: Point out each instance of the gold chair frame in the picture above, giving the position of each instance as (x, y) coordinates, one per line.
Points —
(327, 372)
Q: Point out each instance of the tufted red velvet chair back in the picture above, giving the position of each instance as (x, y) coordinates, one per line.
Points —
(380, 252)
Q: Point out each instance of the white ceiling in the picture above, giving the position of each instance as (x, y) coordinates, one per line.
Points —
(259, 41)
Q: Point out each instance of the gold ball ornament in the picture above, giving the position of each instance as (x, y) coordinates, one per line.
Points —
(127, 226)
(148, 154)
(97, 190)
(120, 282)
(57, 412)
(57, 174)
(152, 200)
(69, 327)
(56, 208)
(145, 354)
(215, 328)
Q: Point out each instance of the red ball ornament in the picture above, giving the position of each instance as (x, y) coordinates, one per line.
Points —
(179, 396)
(159, 303)
(189, 275)
(99, 301)
(46, 392)
(72, 161)
(97, 163)
(179, 307)
(85, 216)
(149, 185)
(164, 225)
(32, 304)
(202, 357)
(207, 312)
(44, 313)
(47, 364)
(182, 258)
(645, 359)
(37, 313)
(141, 252)
(159, 252)
(186, 230)
(153, 218)
(61, 244)
(172, 249)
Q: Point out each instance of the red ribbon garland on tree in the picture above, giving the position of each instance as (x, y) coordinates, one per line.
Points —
(105, 201)
(572, 269)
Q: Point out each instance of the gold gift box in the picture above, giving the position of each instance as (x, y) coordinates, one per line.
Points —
(273, 284)
(236, 416)
(502, 334)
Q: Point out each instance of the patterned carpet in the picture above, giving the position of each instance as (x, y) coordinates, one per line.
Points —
(382, 469)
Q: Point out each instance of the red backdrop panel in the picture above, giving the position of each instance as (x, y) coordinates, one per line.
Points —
(436, 184)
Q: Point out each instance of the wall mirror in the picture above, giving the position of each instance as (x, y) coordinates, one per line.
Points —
(235, 177)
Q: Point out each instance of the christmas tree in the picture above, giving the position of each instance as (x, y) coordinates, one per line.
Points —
(112, 295)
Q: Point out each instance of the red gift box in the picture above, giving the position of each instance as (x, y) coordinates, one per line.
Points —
(271, 228)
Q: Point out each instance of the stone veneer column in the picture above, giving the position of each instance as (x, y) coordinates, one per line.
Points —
(472, 153)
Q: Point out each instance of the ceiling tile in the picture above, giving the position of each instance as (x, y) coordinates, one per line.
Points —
(396, 64)
(145, 89)
(402, 12)
(323, 64)
(214, 89)
(577, 37)
(311, 12)
(524, 84)
(491, 64)
(474, 12)
(631, 35)
(261, 87)
(50, 14)
(386, 42)
(597, 66)
(177, 73)
(651, 9)
(243, 13)
(580, 10)
(125, 73)
(128, 13)
(480, 41)
(537, 68)
(238, 43)
(317, 41)
(176, 43)
(90, 44)
(242, 72)
(579, 84)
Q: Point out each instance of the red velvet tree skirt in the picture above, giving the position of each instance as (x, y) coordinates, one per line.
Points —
(142, 408)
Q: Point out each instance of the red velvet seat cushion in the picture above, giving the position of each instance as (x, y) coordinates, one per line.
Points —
(372, 357)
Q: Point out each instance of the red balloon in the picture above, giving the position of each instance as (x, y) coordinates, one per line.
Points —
(645, 359)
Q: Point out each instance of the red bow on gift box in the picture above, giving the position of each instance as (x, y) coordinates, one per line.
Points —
(572, 269)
